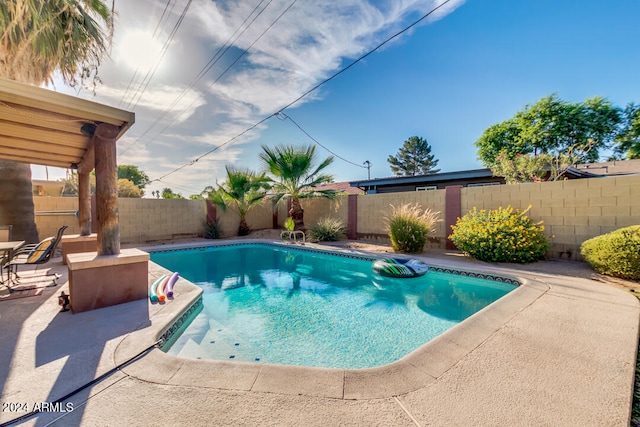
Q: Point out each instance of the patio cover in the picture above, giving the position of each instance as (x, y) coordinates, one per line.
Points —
(43, 127)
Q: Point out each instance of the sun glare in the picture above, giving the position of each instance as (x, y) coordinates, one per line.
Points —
(138, 49)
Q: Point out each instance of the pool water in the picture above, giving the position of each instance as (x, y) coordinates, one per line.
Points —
(271, 304)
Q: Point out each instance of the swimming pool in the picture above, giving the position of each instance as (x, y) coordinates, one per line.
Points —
(274, 304)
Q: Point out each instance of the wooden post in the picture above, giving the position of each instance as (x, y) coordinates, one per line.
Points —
(104, 140)
(84, 202)
(84, 190)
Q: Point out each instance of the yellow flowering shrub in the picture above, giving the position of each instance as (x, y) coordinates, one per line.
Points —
(501, 235)
(616, 254)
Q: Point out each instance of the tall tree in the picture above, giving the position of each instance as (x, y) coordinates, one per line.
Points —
(414, 158)
(135, 175)
(628, 140)
(38, 38)
(570, 132)
(296, 176)
(243, 191)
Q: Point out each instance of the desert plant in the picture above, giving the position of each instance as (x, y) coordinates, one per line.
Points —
(289, 224)
(409, 226)
(616, 254)
(212, 229)
(296, 176)
(242, 192)
(327, 230)
(501, 235)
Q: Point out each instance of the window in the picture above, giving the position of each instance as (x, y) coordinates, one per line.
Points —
(425, 188)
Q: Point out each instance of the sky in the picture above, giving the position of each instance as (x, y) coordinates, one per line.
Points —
(218, 73)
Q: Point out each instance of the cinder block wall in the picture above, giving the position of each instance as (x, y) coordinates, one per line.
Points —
(258, 218)
(145, 220)
(572, 211)
(54, 212)
(141, 220)
(373, 208)
(316, 209)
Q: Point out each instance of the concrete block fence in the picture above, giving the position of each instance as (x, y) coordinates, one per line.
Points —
(572, 211)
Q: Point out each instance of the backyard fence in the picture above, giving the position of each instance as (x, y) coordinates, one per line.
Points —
(572, 212)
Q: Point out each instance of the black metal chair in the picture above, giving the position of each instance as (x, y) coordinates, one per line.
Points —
(35, 254)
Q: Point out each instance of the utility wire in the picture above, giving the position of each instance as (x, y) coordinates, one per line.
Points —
(213, 61)
(147, 78)
(283, 116)
(279, 111)
(155, 31)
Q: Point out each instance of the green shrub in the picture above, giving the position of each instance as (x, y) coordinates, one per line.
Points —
(327, 230)
(616, 254)
(501, 235)
(408, 227)
(212, 229)
(289, 224)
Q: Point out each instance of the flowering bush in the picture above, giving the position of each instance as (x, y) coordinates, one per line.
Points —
(616, 254)
(501, 235)
(408, 227)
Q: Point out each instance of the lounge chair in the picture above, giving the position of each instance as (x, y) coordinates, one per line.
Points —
(39, 253)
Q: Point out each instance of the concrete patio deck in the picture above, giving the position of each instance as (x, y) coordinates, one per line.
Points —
(558, 351)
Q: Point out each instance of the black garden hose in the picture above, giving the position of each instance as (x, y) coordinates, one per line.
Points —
(79, 389)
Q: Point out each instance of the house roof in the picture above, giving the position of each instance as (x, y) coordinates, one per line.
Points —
(433, 178)
(340, 187)
(616, 167)
(43, 127)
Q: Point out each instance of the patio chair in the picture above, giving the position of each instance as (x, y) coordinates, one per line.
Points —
(39, 253)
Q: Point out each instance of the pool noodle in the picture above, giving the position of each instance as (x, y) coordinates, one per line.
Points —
(169, 288)
(160, 290)
(153, 296)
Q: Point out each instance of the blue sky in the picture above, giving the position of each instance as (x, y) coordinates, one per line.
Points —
(473, 64)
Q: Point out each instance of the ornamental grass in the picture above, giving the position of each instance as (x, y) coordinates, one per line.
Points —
(409, 226)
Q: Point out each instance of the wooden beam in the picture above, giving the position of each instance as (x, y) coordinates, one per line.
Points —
(44, 99)
(33, 116)
(38, 134)
(29, 146)
(31, 160)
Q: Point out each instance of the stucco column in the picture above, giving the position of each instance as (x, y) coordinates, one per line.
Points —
(452, 210)
(104, 140)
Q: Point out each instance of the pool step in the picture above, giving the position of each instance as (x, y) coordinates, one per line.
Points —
(192, 350)
(220, 343)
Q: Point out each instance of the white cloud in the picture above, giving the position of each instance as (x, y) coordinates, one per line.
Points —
(308, 44)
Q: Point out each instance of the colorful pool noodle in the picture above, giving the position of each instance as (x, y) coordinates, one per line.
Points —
(153, 292)
(169, 288)
(160, 290)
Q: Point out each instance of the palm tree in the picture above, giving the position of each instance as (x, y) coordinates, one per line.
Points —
(243, 191)
(38, 38)
(298, 179)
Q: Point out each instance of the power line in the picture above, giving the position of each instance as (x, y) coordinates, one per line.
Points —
(283, 116)
(147, 78)
(213, 61)
(133, 77)
(279, 111)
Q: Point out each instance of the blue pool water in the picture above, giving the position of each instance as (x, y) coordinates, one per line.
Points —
(266, 303)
